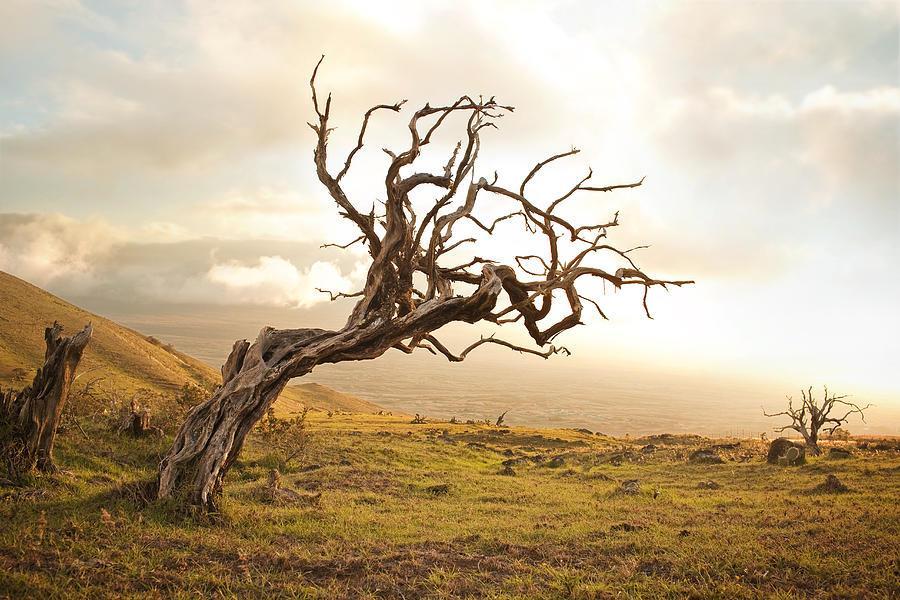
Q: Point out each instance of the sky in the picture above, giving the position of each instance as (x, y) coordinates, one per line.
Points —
(157, 155)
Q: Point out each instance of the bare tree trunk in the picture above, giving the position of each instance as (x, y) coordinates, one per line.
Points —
(31, 418)
(254, 375)
(810, 438)
(214, 431)
(812, 442)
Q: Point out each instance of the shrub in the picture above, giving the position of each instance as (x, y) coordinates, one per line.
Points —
(286, 439)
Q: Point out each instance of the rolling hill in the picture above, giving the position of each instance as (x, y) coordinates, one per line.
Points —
(124, 358)
(320, 397)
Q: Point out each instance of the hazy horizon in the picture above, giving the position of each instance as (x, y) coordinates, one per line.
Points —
(155, 166)
(615, 397)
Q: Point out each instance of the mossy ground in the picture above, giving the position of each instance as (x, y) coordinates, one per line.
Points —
(377, 532)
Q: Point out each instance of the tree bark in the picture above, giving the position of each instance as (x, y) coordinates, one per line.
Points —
(32, 416)
(812, 442)
(140, 423)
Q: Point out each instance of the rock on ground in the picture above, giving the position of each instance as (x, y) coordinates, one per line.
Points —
(780, 446)
(705, 456)
(832, 485)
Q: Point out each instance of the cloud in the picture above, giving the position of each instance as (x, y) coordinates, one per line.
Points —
(786, 46)
(93, 258)
(238, 82)
(48, 248)
(267, 212)
(829, 146)
(854, 140)
(274, 280)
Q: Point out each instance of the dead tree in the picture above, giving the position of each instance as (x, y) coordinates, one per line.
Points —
(28, 420)
(416, 282)
(810, 417)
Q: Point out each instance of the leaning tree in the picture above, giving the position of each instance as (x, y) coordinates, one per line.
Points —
(812, 417)
(413, 286)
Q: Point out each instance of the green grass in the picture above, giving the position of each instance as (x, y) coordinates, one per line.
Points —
(377, 532)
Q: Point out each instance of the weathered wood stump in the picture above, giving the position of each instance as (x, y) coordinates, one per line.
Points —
(29, 419)
(140, 424)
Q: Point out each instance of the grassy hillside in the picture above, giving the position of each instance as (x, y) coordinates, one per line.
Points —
(387, 509)
(125, 359)
(323, 398)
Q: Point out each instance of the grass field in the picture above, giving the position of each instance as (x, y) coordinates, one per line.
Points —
(367, 522)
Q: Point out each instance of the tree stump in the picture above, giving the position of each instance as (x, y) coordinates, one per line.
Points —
(28, 420)
(140, 424)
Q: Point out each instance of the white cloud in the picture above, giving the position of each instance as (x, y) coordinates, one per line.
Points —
(274, 280)
(158, 263)
(52, 247)
(883, 99)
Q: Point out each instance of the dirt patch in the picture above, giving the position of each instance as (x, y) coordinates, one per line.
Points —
(513, 439)
(831, 485)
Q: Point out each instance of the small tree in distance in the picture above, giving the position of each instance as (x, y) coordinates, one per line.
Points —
(812, 417)
(419, 279)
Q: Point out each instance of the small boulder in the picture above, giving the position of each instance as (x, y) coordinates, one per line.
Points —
(832, 485)
(778, 449)
(507, 471)
(439, 489)
(708, 485)
(630, 487)
(648, 449)
(839, 453)
(556, 462)
(705, 456)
